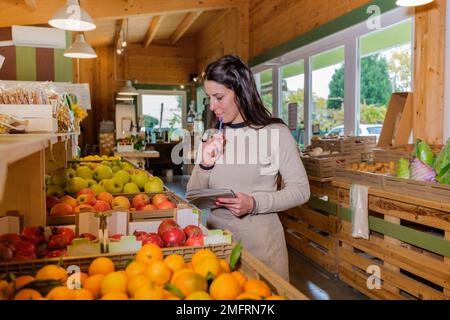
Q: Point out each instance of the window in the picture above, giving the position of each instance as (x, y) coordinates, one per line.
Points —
(264, 84)
(327, 107)
(292, 90)
(385, 67)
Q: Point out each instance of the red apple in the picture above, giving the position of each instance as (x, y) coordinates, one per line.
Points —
(116, 236)
(84, 208)
(6, 252)
(105, 196)
(174, 237)
(61, 209)
(9, 238)
(86, 198)
(140, 200)
(158, 198)
(35, 235)
(166, 205)
(69, 200)
(68, 232)
(154, 238)
(166, 224)
(24, 249)
(56, 253)
(86, 191)
(139, 234)
(192, 230)
(195, 241)
(89, 236)
(50, 201)
(148, 207)
(101, 205)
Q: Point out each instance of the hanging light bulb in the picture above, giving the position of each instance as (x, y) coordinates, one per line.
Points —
(80, 49)
(124, 44)
(128, 90)
(72, 17)
(412, 3)
(119, 51)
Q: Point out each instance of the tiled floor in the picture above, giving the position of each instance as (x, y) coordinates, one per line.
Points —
(309, 278)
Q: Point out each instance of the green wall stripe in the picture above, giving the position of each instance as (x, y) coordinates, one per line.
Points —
(417, 238)
(326, 206)
(26, 63)
(343, 22)
(63, 65)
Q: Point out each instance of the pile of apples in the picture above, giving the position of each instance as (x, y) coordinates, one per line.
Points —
(87, 201)
(107, 176)
(170, 234)
(33, 243)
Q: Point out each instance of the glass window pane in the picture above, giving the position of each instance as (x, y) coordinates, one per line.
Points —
(264, 84)
(385, 67)
(292, 90)
(327, 110)
(162, 111)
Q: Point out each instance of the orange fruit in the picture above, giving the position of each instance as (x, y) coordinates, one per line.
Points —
(175, 262)
(3, 285)
(248, 296)
(149, 293)
(148, 253)
(240, 277)
(201, 254)
(135, 268)
(21, 281)
(189, 266)
(51, 272)
(207, 265)
(83, 294)
(159, 272)
(77, 280)
(225, 287)
(189, 281)
(136, 282)
(224, 265)
(199, 295)
(28, 294)
(101, 265)
(176, 274)
(169, 295)
(276, 298)
(114, 282)
(61, 293)
(115, 296)
(257, 287)
(94, 284)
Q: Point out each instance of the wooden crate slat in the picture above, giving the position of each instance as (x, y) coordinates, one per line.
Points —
(325, 206)
(313, 218)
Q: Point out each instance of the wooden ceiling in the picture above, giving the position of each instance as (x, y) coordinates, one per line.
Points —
(141, 21)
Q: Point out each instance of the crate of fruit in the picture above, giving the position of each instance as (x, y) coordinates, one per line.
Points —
(346, 145)
(370, 174)
(323, 166)
(426, 190)
(395, 153)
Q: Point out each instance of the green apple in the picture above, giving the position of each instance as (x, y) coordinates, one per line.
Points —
(122, 176)
(113, 185)
(55, 190)
(97, 189)
(63, 176)
(127, 165)
(115, 168)
(102, 172)
(85, 172)
(91, 182)
(93, 165)
(131, 187)
(154, 184)
(107, 163)
(140, 178)
(117, 163)
(76, 184)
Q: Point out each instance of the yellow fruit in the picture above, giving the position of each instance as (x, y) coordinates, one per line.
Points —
(135, 268)
(61, 293)
(224, 265)
(257, 287)
(176, 274)
(136, 282)
(27, 294)
(207, 265)
(101, 265)
(51, 272)
(83, 294)
(240, 277)
(149, 293)
(159, 272)
(201, 254)
(276, 298)
(115, 296)
(114, 282)
(225, 287)
(198, 295)
(175, 262)
(248, 296)
(21, 281)
(148, 253)
(189, 281)
(3, 285)
(94, 284)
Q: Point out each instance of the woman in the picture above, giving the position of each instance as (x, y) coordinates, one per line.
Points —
(247, 158)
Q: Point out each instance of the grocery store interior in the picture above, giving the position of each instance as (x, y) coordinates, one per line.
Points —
(108, 163)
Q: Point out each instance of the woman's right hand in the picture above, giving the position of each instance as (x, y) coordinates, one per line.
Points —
(212, 149)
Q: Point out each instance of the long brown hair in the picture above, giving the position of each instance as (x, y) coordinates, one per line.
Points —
(231, 72)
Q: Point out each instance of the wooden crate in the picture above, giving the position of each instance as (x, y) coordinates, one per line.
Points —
(359, 177)
(324, 166)
(312, 233)
(409, 245)
(249, 265)
(347, 145)
(323, 187)
(395, 153)
(426, 190)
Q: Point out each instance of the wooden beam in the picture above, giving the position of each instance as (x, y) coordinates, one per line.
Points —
(31, 4)
(428, 96)
(184, 26)
(120, 25)
(14, 12)
(152, 29)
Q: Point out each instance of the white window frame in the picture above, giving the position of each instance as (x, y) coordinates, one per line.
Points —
(165, 93)
(349, 39)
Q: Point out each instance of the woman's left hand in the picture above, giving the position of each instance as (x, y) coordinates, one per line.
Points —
(239, 206)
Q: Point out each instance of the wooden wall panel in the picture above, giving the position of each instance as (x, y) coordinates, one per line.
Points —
(273, 22)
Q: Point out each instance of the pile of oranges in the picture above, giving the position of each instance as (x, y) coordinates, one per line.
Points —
(149, 277)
